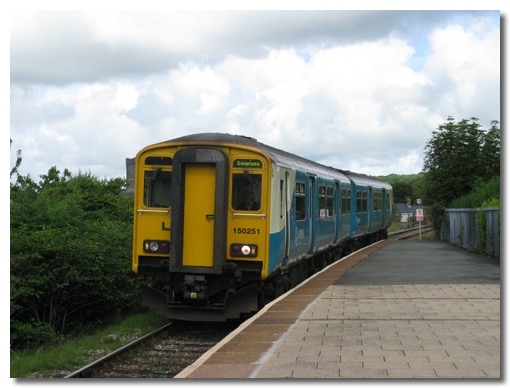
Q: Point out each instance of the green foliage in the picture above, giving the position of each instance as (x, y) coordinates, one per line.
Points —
(484, 194)
(457, 157)
(492, 202)
(70, 254)
(491, 152)
(19, 158)
(405, 186)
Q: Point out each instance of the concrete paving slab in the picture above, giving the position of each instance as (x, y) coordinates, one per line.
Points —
(394, 338)
(408, 310)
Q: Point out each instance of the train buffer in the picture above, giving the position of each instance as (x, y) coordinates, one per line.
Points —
(396, 309)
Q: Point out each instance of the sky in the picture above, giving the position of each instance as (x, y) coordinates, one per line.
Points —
(357, 90)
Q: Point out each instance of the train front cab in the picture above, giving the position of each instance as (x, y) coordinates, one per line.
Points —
(193, 232)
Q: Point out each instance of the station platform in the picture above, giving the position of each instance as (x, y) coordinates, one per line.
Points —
(396, 309)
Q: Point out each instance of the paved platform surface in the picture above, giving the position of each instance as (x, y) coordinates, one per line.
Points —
(398, 309)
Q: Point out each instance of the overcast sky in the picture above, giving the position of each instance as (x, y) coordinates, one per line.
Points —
(356, 90)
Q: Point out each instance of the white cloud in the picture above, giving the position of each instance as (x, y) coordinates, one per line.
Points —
(202, 86)
(467, 66)
(126, 97)
(340, 88)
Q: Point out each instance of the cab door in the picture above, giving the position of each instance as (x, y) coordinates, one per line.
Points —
(199, 215)
(199, 208)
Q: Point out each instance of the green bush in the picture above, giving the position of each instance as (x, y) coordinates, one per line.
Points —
(492, 202)
(482, 195)
(70, 255)
(32, 333)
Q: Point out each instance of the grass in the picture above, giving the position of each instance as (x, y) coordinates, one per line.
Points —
(59, 360)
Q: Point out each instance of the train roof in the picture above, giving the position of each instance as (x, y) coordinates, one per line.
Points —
(366, 180)
(285, 158)
(277, 155)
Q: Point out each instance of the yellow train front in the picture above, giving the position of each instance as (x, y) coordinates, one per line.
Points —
(201, 225)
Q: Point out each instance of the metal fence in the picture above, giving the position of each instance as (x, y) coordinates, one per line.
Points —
(474, 229)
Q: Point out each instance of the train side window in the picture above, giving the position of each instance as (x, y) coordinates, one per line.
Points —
(329, 202)
(377, 201)
(157, 185)
(346, 201)
(326, 201)
(322, 202)
(300, 201)
(246, 191)
(361, 201)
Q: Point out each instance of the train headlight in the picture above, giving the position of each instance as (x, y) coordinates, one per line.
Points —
(243, 250)
(156, 246)
(153, 246)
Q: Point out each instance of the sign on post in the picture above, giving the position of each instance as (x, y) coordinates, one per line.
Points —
(419, 218)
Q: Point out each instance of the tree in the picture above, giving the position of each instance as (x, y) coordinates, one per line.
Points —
(456, 157)
(490, 152)
(405, 186)
(19, 158)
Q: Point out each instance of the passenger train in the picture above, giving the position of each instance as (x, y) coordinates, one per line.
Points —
(223, 223)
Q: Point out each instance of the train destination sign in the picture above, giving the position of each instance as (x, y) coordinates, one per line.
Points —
(247, 163)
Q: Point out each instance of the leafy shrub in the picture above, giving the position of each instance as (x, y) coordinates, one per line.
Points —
(482, 195)
(70, 255)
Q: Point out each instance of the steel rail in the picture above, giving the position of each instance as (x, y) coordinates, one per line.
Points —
(405, 233)
(82, 372)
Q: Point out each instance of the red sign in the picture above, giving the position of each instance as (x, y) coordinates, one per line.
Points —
(419, 214)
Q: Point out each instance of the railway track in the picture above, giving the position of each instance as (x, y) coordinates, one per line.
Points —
(160, 354)
(409, 233)
(168, 350)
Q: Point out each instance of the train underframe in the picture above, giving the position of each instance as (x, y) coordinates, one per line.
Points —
(238, 291)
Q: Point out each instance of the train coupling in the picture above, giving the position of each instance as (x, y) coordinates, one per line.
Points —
(194, 287)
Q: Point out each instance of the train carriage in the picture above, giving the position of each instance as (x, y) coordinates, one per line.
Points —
(224, 223)
(372, 202)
